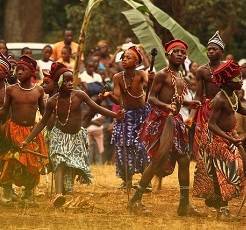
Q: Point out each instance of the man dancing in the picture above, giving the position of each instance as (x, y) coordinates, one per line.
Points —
(22, 100)
(131, 156)
(168, 145)
(67, 144)
(222, 158)
(206, 90)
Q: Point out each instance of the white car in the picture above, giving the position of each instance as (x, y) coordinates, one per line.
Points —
(16, 47)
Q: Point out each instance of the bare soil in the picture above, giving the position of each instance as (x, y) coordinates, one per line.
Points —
(103, 206)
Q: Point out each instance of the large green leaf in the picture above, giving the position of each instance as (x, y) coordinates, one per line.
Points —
(197, 52)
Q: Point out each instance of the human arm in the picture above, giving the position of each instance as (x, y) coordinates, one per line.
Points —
(41, 104)
(241, 108)
(97, 107)
(5, 108)
(217, 109)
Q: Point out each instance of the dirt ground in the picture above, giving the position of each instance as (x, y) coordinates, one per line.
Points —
(103, 206)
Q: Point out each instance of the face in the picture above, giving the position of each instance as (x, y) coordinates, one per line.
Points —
(178, 55)
(47, 52)
(194, 67)
(129, 59)
(90, 68)
(214, 52)
(67, 84)
(3, 73)
(65, 54)
(23, 73)
(28, 52)
(48, 85)
(3, 49)
(103, 48)
(68, 36)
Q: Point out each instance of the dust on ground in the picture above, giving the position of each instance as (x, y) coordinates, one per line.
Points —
(102, 205)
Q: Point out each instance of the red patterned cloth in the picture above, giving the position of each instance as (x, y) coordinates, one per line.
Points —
(223, 157)
(30, 162)
(201, 178)
(151, 132)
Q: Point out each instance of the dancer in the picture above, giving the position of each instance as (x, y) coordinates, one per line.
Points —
(23, 100)
(130, 154)
(68, 146)
(163, 132)
(221, 155)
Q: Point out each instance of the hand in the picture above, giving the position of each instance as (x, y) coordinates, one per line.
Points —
(237, 141)
(22, 145)
(195, 104)
(173, 108)
(151, 75)
(189, 122)
(120, 114)
(104, 95)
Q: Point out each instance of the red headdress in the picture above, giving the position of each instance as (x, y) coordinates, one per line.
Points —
(29, 62)
(226, 71)
(137, 52)
(174, 43)
(4, 63)
(57, 69)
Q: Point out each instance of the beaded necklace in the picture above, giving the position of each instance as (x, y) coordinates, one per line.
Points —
(126, 88)
(233, 106)
(176, 96)
(4, 98)
(68, 113)
(25, 89)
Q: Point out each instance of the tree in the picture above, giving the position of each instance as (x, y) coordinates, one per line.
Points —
(23, 20)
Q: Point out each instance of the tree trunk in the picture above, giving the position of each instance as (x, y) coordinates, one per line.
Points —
(23, 20)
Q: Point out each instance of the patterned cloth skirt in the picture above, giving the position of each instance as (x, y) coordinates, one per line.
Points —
(128, 148)
(71, 149)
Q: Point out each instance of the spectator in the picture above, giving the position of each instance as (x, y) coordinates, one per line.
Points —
(3, 48)
(26, 51)
(66, 58)
(242, 64)
(68, 42)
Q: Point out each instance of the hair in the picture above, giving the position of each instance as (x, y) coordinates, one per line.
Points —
(47, 46)
(25, 49)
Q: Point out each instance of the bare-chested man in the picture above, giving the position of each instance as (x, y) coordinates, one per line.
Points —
(206, 90)
(68, 146)
(224, 163)
(23, 100)
(166, 98)
(130, 154)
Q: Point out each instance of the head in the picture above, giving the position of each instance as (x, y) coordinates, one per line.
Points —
(57, 73)
(176, 52)
(66, 53)
(229, 57)
(49, 85)
(242, 64)
(95, 59)
(47, 52)
(215, 48)
(67, 82)
(90, 67)
(103, 46)
(5, 67)
(131, 58)
(193, 67)
(3, 48)
(26, 51)
(68, 37)
(228, 75)
(25, 69)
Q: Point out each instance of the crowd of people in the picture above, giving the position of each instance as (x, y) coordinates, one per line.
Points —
(121, 112)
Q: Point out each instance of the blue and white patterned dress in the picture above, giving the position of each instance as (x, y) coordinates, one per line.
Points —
(71, 149)
(125, 139)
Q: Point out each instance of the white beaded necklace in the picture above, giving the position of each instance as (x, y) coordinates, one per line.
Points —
(26, 89)
(126, 88)
(68, 113)
(233, 106)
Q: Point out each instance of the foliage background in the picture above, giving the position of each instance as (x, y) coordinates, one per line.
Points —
(200, 17)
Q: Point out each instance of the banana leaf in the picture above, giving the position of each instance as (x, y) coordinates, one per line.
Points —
(143, 29)
(197, 52)
(90, 6)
